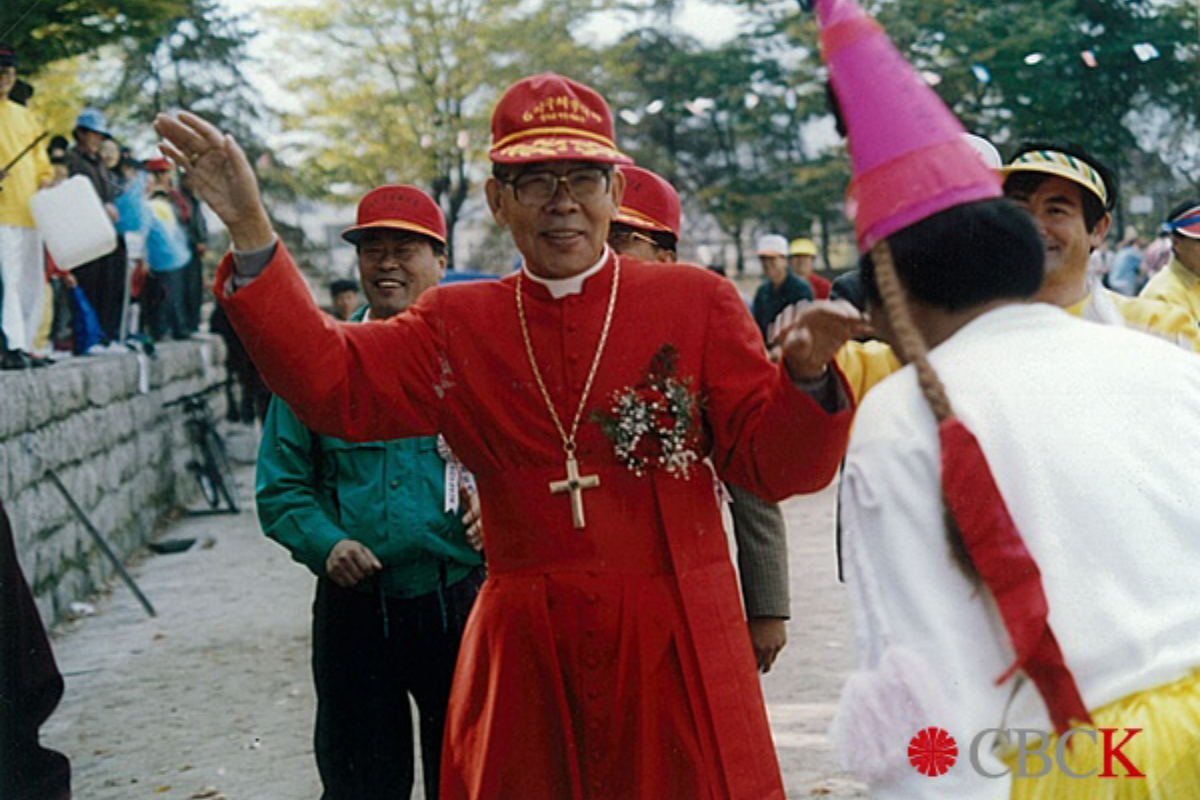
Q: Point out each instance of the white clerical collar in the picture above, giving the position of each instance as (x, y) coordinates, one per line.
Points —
(561, 287)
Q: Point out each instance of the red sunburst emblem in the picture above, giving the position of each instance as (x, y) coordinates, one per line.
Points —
(932, 752)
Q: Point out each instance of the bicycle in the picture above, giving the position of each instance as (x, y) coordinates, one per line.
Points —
(210, 462)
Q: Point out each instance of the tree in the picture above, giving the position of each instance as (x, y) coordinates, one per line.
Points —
(197, 63)
(192, 58)
(1073, 69)
(728, 127)
(401, 89)
(1087, 71)
(43, 31)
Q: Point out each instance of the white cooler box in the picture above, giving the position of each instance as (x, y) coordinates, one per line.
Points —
(73, 223)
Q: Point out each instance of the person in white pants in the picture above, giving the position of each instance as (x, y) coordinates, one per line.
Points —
(22, 263)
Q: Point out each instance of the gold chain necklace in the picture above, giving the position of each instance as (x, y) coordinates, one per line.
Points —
(574, 483)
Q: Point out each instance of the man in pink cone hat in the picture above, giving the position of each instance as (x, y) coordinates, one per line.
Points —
(993, 578)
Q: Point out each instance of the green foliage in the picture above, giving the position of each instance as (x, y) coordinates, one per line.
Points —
(43, 31)
(197, 63)
(1017, 70)
(1058, 96)
(401, 90)
(731, 131)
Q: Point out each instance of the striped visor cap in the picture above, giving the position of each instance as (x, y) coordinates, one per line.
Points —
(1185, 224)
(1062, 165)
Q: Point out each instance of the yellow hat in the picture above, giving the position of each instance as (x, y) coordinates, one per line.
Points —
(1062, 165)
(802, 247)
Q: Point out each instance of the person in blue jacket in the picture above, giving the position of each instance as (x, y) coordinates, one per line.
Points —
(389, 535)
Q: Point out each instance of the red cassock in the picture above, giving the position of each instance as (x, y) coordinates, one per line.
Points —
(611, 661)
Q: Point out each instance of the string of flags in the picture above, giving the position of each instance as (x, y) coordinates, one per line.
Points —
(1144, 51)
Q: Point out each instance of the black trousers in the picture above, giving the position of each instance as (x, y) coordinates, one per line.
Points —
(193, 292)
(103, 281)
(164, 304)
(367, 661)
(30, 688)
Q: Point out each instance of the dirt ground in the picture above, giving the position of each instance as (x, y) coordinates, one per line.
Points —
(213, 697)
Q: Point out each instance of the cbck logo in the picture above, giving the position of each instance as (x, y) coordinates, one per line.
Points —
(933, 751)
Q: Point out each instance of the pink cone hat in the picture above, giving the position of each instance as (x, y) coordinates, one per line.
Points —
(907, 150)
(910, 160)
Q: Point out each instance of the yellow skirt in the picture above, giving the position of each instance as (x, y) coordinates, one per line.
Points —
(1167, 750)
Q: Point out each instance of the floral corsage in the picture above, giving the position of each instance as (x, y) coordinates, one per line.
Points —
(655, 424)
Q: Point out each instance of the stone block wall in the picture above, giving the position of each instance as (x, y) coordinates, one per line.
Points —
(99, 424)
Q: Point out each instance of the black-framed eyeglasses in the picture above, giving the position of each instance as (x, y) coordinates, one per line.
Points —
(584, 185)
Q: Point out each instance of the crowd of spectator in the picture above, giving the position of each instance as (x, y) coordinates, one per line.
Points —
(1135, 261)
(148, 288)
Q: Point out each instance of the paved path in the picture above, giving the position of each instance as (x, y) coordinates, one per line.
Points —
(213, 697)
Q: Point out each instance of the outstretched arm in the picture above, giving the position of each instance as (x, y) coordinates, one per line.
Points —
(777, 431)
(356, 382)
(810, 334)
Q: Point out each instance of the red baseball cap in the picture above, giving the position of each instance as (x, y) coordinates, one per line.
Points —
(551, 118)
(649, 202)
(402, 208)
(158, 165)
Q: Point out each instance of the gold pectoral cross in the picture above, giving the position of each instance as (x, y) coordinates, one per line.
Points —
(575, 484)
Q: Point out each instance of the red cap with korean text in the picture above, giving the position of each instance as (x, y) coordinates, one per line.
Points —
(649, 202)
(403, 208)
(551, 118)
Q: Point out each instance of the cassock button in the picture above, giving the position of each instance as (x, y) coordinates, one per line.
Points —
(593, 598)
(596, 755)
(394, 484)
(592, 662)
(594, 725)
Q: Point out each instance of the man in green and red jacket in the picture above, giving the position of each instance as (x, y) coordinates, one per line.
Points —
(380, 525)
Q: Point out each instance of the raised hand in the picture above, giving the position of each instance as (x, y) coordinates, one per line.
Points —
(220, 174)
(809, 334)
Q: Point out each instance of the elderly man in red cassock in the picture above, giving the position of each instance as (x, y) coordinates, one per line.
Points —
(607, 655)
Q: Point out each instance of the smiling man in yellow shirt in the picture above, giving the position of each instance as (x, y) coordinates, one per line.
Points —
(1070, 194)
